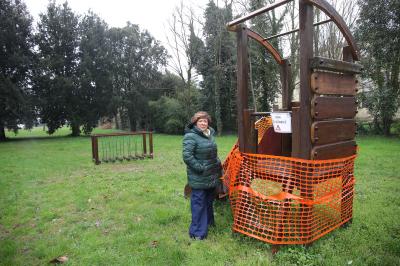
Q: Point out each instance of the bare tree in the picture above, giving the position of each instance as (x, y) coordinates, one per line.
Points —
(218, 64)
(185, 46)
(184, 28)
(330, 40)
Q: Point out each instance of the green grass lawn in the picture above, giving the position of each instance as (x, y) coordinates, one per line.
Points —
(54, 201)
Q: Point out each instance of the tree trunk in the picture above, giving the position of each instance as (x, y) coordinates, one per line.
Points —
(2, 132)
(128, 125)
(387, 123)
(217, 101)
(132, 123)
(377, 128)
(188, 103)
(118, 119)
(76, 131)
(138, 124)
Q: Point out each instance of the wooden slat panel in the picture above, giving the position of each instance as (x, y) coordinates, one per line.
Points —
(333, 107)
(324, 132)
(323, 63)
(334, 151)
(332, 83)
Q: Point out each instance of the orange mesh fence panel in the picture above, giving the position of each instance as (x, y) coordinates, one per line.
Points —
(283, 200)
(262, 125)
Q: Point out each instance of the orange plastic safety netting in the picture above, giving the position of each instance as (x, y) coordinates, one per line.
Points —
(284, 200)
(262, 125)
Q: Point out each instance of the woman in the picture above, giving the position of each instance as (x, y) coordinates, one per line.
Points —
(203, 171)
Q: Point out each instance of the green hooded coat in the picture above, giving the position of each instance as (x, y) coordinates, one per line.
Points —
(200, 155)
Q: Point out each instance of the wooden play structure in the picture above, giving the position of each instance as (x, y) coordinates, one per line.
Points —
(294, 188)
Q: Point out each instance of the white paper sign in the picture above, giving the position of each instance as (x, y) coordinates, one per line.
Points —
(282, 122)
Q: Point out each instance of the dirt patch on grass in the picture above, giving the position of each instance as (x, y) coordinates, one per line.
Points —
(4, 232)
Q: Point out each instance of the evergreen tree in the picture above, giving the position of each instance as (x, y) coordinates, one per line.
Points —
(94, 74)
(379, 33)
(57, 85)
(16, 105)
(168, 113)
(217, 67)
(136, 65)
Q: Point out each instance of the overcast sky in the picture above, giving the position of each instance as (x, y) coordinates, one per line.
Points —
(148, 14)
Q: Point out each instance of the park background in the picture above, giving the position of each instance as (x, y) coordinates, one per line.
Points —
(68, 75)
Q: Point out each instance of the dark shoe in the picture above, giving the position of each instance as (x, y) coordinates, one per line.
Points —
(197, 237)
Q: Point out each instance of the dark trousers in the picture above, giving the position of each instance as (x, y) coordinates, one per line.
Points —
(201, 203)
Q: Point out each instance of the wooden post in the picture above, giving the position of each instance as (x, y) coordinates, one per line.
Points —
(295, 131)
(306, 53)
(91, 138)
(250, 136)
(95, 149)
(286, 80)
(347, 55)
(151, 144)
(242, 86)
(144, 144)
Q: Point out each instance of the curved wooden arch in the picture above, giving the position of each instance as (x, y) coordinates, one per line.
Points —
(338, 20)
(255, 36)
